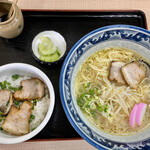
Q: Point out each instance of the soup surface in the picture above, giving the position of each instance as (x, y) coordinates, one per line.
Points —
(106, 103)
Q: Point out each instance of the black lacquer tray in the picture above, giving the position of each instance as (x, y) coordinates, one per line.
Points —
(72, 25)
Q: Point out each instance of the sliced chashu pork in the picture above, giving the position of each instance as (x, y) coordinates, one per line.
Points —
(133, 73)
(17, 120)
(115, 72)
(31, 89)
(6, 100)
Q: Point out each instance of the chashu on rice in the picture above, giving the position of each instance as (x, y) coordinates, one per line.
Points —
(31, 89)
(6, 100)
(17, 120)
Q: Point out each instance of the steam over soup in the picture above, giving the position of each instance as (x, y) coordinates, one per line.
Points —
(112, 90)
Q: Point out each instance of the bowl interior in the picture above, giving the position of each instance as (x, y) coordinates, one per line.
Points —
(123, 36)
(116, 43)
(27, 70)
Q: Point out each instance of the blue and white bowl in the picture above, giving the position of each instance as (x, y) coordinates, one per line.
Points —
(125, 36)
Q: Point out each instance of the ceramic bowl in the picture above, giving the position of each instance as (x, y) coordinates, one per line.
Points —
(125, 36)
(57, 39)
(29, 70)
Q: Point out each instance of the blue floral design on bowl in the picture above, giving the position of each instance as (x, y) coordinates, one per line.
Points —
(130, 37)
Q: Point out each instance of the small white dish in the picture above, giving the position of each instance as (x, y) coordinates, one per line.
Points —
(57, 39)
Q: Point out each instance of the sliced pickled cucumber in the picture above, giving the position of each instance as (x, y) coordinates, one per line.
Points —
(48, 52)
(58, 50)
(46, 47)
(53, 49)
(46, 41)
(50, 58)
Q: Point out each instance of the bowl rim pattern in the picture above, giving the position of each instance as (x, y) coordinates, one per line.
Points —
(141, 36)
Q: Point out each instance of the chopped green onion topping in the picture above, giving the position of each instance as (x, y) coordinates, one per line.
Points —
(20, 87)
(1, 113)
(86, 104)
(4, 84)
(80, 100)
(93, 106)
(87, 85)
(17, 103)
(88, 100)
(100, 108)
(110, 115)
(91, 91)
(96, 97)
(12, 88)
(32, 117)
(92, 112)
(2, 117)
(15, 76)
(34, 102)
(33, 129)
(105, 110)
(8, 83)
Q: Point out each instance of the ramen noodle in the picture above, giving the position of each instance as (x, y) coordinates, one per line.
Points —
(106, 104)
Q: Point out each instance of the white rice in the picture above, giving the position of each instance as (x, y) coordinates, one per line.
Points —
(40, 111)
(14, 83)
(42, 105)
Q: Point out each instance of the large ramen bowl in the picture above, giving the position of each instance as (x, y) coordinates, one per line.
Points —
(129, 37)
(27, 70)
